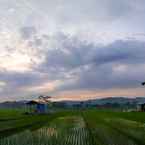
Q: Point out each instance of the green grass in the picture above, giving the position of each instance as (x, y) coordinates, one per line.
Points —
(72, 127)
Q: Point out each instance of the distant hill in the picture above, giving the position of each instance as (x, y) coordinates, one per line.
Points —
(108, 100)
(122, 102)
(119, 100)
(12, 104)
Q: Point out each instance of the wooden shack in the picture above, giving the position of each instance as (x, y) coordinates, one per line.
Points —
(141, 107)
(37, 107)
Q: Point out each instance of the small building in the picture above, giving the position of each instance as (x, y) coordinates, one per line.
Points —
(37, 106)
(141, 107)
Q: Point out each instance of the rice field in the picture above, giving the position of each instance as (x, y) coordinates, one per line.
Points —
(89, 127)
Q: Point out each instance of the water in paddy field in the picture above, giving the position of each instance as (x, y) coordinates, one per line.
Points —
(76, 130)
(62, 131)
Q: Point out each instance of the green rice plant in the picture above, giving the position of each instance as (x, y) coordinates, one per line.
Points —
(71, 127)
(103, 133)
(61, 131)
(132, 129)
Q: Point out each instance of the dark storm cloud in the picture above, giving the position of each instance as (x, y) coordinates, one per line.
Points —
(82, 65)
(19, 84)
(17, 81)
(73, 54)
(122, 51)
(104, 77)
(20, 79)
(116, 65)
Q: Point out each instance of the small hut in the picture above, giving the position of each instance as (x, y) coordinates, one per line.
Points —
(141, 107)
(36, 106)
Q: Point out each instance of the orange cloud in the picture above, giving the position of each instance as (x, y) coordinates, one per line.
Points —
(42, 88)
(85, 95)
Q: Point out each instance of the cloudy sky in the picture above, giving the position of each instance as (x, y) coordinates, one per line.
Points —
(71, 49)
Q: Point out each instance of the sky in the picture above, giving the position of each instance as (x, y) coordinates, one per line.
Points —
(71, 49)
